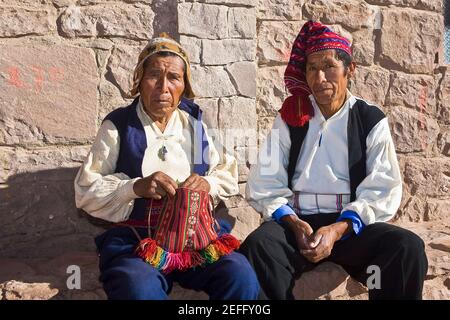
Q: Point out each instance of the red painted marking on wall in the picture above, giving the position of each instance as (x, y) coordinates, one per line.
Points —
(40, 75)
(56, 74)
(14, 77)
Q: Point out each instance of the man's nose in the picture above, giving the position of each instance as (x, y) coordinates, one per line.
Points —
(163, 83)
(321, 77)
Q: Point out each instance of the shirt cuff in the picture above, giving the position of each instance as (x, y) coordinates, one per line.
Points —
(126, 191)
(282, 211)
(357, 223)
(213, 189)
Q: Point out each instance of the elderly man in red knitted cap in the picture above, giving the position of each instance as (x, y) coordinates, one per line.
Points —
(326, 181)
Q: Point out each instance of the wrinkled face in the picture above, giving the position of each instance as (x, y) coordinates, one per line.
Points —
(326, 76)
(162, 84)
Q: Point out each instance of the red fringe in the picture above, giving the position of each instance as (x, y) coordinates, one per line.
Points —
(196, 259)
(221, 247)
(229, 242)
(297, 110)
(146, 248)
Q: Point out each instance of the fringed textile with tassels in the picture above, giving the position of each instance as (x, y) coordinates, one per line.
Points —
(167, 262)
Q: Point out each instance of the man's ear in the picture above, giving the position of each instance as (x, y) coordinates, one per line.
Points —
(351, 70)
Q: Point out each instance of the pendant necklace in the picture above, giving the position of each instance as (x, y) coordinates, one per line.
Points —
(162, 152)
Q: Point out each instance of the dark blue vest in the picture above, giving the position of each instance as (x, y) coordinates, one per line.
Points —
(133, 144)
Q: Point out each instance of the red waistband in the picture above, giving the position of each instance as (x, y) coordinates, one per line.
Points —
(141, 223)
(156, 211)
(134, 223)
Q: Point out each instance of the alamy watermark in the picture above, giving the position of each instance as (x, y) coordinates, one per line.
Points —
(74, 280)
(241, 143)
(374, 280)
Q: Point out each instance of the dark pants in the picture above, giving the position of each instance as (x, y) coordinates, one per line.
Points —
(399, 253)
(126, 276)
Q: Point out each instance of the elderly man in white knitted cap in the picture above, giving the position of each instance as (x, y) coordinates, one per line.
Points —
(140, 174)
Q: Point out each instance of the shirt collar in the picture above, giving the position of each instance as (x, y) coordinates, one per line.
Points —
(348, 104)
(147, 121)
(145, 118)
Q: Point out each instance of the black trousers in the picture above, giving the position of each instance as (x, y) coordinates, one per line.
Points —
(399, 253)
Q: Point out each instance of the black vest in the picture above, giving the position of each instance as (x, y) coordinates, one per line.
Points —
(361, 119)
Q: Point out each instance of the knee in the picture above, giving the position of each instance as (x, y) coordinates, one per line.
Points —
(255, 241)
(407, 241)
(415, 248)
(250, 243)
(238, 270)
(233, 279)
(134, 283)
(411, 241)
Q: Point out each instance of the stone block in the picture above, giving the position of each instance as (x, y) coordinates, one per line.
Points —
(237, 121)
(210, 82)
(328, 281)
(210, 108)
(220, 52)
(371, 84)
(412, 131)
(352, 14)
(280, 9)
(275, 40)
(17, 21)
(427, 177)
(413, 91)
(363, 46)
(121, 64)
(243, 75)
(202, 20)
(271, 90)
(430, 5)
(414, 53)
(242, 23)
(47, 94)
(132, 22)
(193, 47)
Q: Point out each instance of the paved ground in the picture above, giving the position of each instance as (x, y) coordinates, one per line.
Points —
(47, 279)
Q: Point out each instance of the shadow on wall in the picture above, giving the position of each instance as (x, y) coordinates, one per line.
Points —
(39, 216)
(42, 233)
(40, 219)
(166, 18)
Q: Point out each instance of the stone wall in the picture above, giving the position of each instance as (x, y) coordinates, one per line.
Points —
(64, 64)
(61, 71)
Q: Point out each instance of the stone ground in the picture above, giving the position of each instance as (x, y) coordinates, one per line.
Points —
(46, 279)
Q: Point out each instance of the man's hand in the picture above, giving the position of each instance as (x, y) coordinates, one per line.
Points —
(196, 182)
(323, 240)
(301, 229)
(155, 186)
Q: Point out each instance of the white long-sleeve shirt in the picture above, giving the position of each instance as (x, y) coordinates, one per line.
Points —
(110, 196)
(322, 168)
